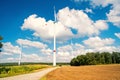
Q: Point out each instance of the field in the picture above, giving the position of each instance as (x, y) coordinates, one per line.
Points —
(6, 71)
(98, 72)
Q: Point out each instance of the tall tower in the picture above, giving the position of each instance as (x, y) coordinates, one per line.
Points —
(19, 62)
(54, 51)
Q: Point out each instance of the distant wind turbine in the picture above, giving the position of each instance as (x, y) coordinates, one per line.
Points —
(19, 62)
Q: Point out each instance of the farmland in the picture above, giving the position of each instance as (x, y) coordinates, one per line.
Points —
(93, 72)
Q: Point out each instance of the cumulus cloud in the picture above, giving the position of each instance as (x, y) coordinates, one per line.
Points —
(87, 10)
(117, 35)
(102, 3)
(31, 57)
(41, 46)
(107, 49)
(65, 48)
(67, 20)
(80, 21)
(47, 51)
(31, 43)
(94, 42)
(25, 58)
(10, 59)
(114, 13)
(8, 48)
(101, 25)
(67, 52)
(46, 29)
(63, 53)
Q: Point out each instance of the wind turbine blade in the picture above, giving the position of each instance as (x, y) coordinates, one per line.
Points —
(55, 15)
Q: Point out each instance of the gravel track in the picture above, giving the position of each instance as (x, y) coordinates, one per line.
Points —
(30, 76)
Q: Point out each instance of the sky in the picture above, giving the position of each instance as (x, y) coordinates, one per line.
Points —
(81, 26)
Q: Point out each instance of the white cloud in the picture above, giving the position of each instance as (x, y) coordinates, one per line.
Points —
(93, 44)
(117, 35)
(31, 43)
(10, 59)
(31, 58)
(46, 51)
(63, 54)
(80, 21)
(71, 47)
(67, 52)
(102, 3)
(101, 25)
(68, 19)
(87, 10)
(25, 58)
(107, 49)
(8, 48)
(96, 42)
(6, 53)
(114, 13)
(45, 29)
(65, 48)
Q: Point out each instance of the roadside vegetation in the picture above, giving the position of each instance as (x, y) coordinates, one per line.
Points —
(6, 71)
(95, 58)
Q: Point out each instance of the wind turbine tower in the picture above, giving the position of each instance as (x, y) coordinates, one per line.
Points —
(19, 62)
(54, 51)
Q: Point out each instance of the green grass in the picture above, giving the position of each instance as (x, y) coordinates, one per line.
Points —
(6, 71)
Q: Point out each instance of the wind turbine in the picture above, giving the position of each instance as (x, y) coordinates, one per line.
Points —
(54, 51)
(19, 62)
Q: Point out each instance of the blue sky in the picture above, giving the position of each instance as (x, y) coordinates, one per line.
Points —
(27, 27)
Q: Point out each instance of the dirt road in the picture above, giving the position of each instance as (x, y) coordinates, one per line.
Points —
(30, 76)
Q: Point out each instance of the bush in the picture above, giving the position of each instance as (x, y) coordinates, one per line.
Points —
(4, 70)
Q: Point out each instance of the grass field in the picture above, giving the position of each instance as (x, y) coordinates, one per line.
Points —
(96, 72)
(6, 71)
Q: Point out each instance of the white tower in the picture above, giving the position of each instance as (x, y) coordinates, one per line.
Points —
(54, 51)
(19, 62)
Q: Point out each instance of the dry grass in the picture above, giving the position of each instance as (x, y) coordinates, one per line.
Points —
(99, 72)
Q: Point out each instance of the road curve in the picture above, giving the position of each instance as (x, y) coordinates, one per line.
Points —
(30, 76)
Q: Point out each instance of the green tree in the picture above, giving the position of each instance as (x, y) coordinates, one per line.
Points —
(97, 57)
(108, 57)
(74, 62)
(82, 60)
(102, 58)
(91, 58)
(116, 57)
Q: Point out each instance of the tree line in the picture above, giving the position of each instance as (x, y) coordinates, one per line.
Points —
(95, 58)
